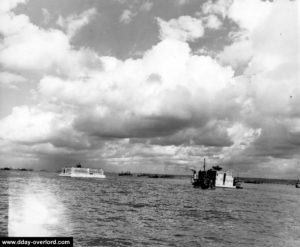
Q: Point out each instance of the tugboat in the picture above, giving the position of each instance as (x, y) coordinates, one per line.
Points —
(78, 171)
(214, 178)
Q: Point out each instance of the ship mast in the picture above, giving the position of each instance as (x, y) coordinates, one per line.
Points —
(204, 165)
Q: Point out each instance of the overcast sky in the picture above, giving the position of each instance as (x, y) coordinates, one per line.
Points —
(151, 86)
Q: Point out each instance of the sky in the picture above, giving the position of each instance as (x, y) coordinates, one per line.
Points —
(151, 86)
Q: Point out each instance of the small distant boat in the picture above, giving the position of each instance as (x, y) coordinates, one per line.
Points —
(80, 172)
(238, 185)
(297, 185)
(215, 178)
(125, 174)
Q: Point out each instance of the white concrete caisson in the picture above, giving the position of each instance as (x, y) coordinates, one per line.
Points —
(82, 172)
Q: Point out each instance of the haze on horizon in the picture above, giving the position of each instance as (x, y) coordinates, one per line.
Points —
(151, 86)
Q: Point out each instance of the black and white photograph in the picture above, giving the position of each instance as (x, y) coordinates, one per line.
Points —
(153, 123)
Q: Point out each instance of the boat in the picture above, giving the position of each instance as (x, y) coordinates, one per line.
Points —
(125, 174)
(81, 172)
(215, 178)
(238, 185)
(297, 185)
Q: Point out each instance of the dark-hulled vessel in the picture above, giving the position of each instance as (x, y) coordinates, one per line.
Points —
(214, 178)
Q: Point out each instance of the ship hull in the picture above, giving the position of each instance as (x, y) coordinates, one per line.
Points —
(205, 186)
(82, 176)
(87, 176)
(226, 186)
(212, 179)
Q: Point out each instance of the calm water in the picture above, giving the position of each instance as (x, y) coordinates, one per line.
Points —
(129, 211)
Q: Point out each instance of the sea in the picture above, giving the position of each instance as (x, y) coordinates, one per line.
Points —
(140, 211)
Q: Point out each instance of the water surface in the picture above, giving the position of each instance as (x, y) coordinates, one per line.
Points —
(132, 211)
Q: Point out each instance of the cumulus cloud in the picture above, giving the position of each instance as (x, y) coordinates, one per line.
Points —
(273, 59)
(40, 50)
(212, 22)
(212, 134)
(7, 5)
(271, 75)
(185, 28)
(237, 54)
(249, 40)
(28, 47)
(250, 14)
(125, 104)
(36, 125)
(43, 132)
(171, 106)
(163, 97)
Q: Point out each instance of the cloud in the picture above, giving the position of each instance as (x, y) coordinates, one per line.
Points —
(185, 28)
(123, 126)
(7, 5)
(126, 16)
(46, 15)
(237, 54)
(242, 136)
(27, 47)
(212, 134)
(34, 49)
(183, 2)
(169, 107)
(163, 97)
(277, 140)
(271, 74)
(250, 14)
(212, 22)
(147, 6)
(73, 23)
(11, 80)
(45, 131)
(35, 125)
(251, 43)
(123, 103)
(267, 82)
(12, 24)
(219, 7)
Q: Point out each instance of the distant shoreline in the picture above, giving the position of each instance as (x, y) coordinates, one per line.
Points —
(16, 169)
(267, 181)
(248, 180)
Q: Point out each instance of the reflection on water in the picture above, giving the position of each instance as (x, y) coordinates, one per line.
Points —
(34, 208)
(130, 211)
(34, 215)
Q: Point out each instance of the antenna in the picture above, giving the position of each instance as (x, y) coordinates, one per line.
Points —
(204, 164)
